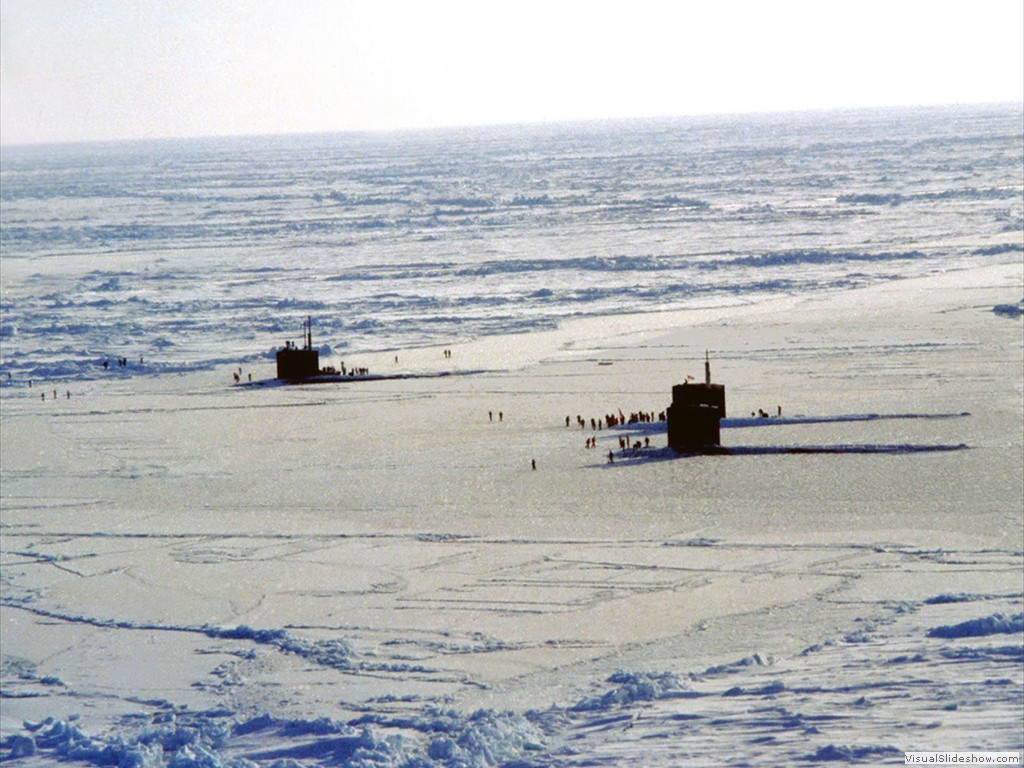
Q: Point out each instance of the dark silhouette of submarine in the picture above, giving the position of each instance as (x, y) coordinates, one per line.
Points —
(300, 365)
(294, 364)
(695, 415)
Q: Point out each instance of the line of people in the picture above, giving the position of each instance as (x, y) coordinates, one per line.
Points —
(354, 371)
(614, 420)
(624, 444)
(42, 395)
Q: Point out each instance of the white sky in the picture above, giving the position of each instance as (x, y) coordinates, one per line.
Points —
(105, 69)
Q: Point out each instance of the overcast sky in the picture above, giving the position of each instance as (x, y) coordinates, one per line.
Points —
(106, 69)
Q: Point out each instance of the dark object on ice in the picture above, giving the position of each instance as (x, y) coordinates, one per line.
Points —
(694, 416)
(1010, 310)
(990, 625)
(294, 364)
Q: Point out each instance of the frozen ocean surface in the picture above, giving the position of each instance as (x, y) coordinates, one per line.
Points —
(196, 253)
(199, 574)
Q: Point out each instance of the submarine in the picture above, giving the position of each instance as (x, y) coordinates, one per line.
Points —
(695, 415)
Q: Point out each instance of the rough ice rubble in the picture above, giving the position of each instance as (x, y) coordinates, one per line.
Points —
(1010, 310)
(449, 738)
(633, 687)
(438, 740)
(327, 653)
(833, 753)
(189, 747)
(484, 738)
(995, 624)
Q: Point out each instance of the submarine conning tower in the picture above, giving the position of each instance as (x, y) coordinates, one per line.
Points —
(294, 364)
(695, 413)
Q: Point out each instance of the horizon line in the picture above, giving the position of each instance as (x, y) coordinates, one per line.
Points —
(419, 129)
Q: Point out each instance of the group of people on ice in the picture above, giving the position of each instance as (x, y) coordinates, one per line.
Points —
(614, 420)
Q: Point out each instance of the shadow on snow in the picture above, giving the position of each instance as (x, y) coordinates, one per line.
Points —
(631, 456)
